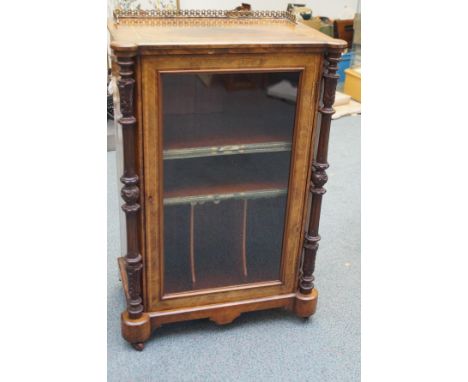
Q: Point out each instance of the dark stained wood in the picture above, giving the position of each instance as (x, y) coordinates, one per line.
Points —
(130, 191)
(319, 176)
(143, 53)
(344, 30)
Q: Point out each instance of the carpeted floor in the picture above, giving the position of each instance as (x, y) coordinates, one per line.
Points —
(269, 345)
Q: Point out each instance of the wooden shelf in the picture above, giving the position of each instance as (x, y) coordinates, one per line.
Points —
(216, 194)
(209, 179)
(227, 133)
(243, 148)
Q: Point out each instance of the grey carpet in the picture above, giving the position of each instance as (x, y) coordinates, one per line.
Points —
(269, 345)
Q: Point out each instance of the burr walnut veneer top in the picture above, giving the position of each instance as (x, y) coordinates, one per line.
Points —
(217, 33)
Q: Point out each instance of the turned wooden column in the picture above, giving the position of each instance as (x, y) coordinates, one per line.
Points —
(319, 166)
(130, 191)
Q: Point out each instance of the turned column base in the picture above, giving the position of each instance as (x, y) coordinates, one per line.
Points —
(136, 331)
(305, 304)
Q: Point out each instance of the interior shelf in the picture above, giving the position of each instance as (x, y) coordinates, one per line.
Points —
(224, 134)
(221, 193)
(250, 176)
(226, 149)
(209, 118)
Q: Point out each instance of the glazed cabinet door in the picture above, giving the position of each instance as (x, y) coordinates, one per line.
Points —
(228, 145)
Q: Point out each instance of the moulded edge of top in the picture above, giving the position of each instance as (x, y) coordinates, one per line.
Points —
(129, 47)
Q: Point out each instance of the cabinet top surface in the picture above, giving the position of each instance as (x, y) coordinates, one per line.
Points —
(216, 33)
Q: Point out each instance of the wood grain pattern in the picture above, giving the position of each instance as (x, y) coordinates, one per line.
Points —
(223, 313)
(309, 66)
(123, 276)
(189, 36)
(142, 53)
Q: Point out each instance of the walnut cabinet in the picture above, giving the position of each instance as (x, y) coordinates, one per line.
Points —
(225, 120)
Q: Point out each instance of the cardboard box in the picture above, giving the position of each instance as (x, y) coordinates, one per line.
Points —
(352, 85)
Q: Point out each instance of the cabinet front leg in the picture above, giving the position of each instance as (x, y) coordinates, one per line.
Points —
(136, 331)
(306, 299)
(136, 327)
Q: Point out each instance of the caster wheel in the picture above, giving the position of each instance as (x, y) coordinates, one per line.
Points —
(138, 346)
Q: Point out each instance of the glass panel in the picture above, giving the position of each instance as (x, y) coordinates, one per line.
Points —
(227, 147)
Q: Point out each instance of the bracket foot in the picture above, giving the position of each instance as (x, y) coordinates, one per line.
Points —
(136, 331)
(305, 304)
